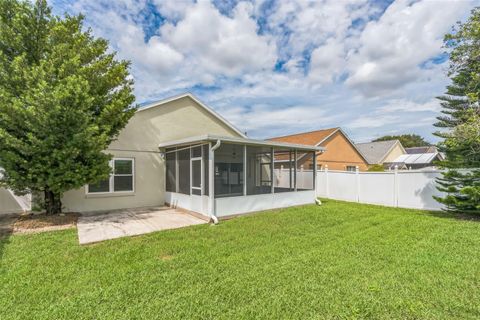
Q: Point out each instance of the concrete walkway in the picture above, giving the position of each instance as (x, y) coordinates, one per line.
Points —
(95, 227)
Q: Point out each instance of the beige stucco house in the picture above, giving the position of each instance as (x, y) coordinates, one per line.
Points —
(180, 152)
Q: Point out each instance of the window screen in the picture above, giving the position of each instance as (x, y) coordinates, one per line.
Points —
(102, 186)
(171, 176)
(259, 170)
(284, 177)
(184, 171)
(228, 170)
(304, 178)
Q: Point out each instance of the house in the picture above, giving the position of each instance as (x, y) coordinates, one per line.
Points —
(418, 158)
(381, 152)
(180, 152)
(424, 149)
(340, 154)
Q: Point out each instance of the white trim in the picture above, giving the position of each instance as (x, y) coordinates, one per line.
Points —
(254, 142)
(111, 185)
(200, 103)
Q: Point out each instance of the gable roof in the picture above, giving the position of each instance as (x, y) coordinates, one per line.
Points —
(200, 103)
(312, 138)
(316, 138)
(376, 152)
(424, 149)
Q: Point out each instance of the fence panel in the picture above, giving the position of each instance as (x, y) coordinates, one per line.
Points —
(342, 185)
(376, 188)
(406, 189)
(416, 190)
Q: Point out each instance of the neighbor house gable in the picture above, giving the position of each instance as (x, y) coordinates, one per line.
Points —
(340, 150)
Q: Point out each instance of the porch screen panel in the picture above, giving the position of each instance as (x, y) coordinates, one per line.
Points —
(284, 173)
(304, 173)
(183, 158)
(229, 170)
(170, 174)
(259, 170)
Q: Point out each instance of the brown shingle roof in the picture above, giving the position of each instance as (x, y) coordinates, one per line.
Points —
(311, 138)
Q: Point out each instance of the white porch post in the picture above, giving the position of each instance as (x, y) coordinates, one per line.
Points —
(315, 172)
(211, 182)
(245, 170)
(272, 170)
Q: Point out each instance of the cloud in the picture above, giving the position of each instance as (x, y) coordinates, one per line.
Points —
(392, 48)
(279, 67)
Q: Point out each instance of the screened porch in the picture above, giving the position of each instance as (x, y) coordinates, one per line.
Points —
(224, 176)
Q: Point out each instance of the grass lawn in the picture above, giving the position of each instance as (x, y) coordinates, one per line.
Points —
(340, 260)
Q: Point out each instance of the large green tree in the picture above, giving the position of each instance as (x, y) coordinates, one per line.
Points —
(64, 97)
(459, 123)
(407, 140)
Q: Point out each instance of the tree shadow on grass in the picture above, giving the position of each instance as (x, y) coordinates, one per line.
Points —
(6, 230)
(455, 215)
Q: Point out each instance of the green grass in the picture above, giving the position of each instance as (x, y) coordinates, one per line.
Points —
(340, 260)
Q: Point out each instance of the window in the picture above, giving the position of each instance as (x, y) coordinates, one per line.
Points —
(121, 179)
(351, 168)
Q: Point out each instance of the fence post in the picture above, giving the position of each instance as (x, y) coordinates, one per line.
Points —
(395, 186)
(357, 180)
(327, 191)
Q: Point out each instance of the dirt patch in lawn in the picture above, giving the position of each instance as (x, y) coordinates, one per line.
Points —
(30, 223)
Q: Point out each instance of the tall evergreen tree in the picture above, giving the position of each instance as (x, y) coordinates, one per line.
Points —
(461, 110)
(63, 99)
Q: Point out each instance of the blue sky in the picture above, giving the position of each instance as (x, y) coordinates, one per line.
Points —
(281, 67)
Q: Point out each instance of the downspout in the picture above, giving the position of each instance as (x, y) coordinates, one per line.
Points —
(212, 185)
(217, 145)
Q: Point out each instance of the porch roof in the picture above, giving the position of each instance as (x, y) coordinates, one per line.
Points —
(245, 141)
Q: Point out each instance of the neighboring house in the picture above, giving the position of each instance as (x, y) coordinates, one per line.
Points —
(180, 152)
(381, 152)
(425, 149)
(340, 152)
(418, 158)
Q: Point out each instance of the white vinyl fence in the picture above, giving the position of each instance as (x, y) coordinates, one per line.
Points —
(402, 188)
(11, 203)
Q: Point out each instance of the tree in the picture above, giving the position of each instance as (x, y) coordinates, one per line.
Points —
(407, 140)
(460, 122)
(63, 99)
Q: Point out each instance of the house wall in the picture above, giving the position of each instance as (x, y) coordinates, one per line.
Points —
(396, 151)
(9, 203)
(173, 120)
(339, 154)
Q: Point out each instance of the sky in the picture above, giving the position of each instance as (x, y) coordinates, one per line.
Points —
(281, 67)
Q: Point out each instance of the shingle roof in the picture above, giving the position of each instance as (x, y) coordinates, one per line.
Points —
(375, 152)
(425, 149)
(309, 138)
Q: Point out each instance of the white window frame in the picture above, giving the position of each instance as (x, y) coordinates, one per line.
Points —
(111, 180)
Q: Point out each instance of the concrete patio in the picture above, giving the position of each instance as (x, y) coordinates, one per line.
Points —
(95, 227)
